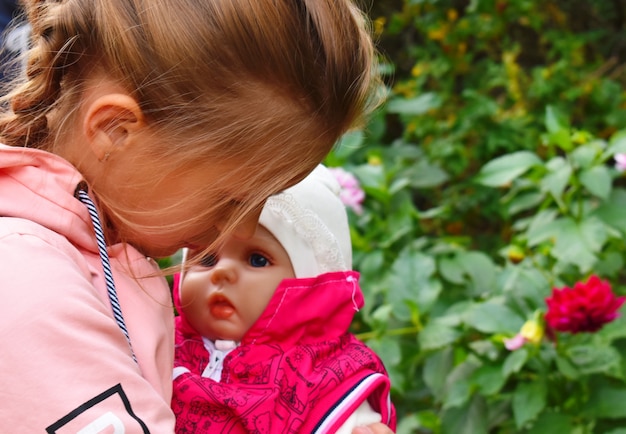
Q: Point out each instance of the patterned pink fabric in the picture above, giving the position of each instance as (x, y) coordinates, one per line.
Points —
(296, 370)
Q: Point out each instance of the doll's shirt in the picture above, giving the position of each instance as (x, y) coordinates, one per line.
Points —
(296, 370)
(217, 354)
(363, 415)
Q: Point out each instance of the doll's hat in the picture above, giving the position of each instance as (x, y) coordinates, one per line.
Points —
(310, 222)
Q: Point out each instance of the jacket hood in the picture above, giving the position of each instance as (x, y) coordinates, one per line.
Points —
(301, 310)
(39, 186)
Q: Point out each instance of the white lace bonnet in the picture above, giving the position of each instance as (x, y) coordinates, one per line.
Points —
(311, 223)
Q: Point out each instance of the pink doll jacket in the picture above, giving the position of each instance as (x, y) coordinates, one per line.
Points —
(297, 370)
(67, 366)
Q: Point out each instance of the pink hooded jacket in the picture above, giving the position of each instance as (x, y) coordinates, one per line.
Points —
(67, 367)
(297, 370)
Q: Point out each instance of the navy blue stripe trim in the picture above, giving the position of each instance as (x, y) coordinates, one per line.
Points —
(339, 401)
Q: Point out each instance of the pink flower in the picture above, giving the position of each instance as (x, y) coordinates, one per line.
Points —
(515, 343)
(351, 193)
(620, 162)
(531, 332)
(584, 308)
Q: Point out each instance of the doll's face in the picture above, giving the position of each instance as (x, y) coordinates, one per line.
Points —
(223, 296)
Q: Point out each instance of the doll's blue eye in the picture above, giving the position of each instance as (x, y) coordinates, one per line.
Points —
(208, 261)
(257, 260)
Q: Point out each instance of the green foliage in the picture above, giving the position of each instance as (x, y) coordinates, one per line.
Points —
(489, 180)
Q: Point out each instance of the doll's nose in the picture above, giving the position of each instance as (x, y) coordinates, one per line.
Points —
(224, 272)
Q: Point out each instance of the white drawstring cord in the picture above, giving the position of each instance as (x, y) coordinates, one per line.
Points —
(82, 195)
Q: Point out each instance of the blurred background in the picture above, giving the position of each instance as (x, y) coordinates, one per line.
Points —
(491, 176)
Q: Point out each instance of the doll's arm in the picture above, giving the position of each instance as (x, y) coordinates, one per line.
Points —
(362, 416)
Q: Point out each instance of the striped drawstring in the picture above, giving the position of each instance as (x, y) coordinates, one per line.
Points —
(82, 195)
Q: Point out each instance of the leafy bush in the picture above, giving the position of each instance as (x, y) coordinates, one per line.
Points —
(489, 178)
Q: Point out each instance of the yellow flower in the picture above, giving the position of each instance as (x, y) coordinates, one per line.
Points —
(532, 331)
(513, 72)
(418, 70)
(379, 25)
(438, 34)
(461, 48)
(515, 254)
(581, 137)
(374, 160)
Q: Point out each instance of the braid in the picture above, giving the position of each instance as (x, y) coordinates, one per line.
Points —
(51, 51)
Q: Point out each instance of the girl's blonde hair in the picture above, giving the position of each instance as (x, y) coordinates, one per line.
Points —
(270, 84)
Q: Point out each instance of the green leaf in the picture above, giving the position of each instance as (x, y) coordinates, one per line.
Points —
(553, 122)
(469, 419)
(480, 269)
(458, 394)
(550, 422)
(427, 419)
(525, 201)
(594, 233)
(606, 401)
(584, 156)
(598, 181)
(435, 336)
(371, 176)
(452, 270)
(578, 243)
(371, 267)
(493, 318)
(613, 211)
(558, 131)
(457, 389)
(502, 170)
(411, 423)
(526, 283)
(390, 352)
(610, 263)
(617, 145)
(414, 106)
(401, 220)
(615, 329)
(411, 280)
(476, 265)
(349, 143)
(488, 379)
(529, 399)
(566, 368)
(542, 227)
(436, 370)
(453, 316)
(514, 362)
(556, 181)
(426, 175)
(590, 359)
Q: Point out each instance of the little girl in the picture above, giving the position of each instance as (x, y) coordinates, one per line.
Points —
(140, 127)
(262, 342)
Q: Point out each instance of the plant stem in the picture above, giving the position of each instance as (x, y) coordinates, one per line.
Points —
(393, 332)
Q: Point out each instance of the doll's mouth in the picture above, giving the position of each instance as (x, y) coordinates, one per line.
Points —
(220, 307)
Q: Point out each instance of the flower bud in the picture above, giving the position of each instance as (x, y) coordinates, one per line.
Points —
(532, 331)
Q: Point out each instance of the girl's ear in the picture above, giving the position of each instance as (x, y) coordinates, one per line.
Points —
(110, 124)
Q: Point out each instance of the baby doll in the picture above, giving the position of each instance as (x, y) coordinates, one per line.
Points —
(262, 341)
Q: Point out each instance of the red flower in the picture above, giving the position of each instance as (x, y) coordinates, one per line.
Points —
(584, 308)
